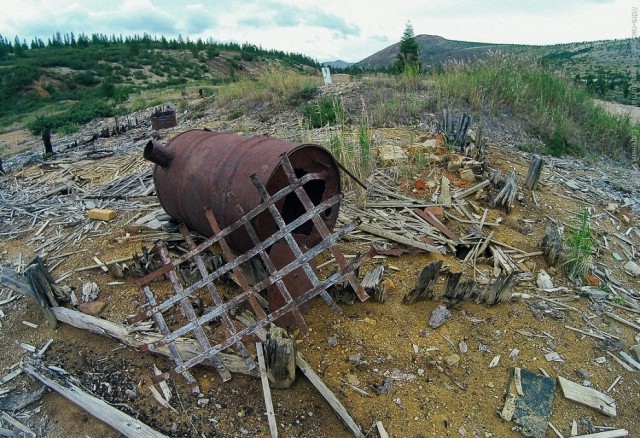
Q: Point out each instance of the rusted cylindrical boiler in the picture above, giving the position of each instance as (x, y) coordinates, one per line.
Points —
(197, 168)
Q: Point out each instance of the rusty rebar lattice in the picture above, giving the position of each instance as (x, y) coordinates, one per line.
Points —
(220, 308)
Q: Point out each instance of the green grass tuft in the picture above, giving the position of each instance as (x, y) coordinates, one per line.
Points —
(564, 115)
(578, 247)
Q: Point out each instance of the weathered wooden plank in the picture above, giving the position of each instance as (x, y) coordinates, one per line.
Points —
(188, 348)
(118, 420)
(430, 218)
(608, 434)
(471, 190)
(400, 239)
(588, 396)
(271, 415)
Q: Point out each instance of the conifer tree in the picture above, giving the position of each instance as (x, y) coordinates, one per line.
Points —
(408, 59)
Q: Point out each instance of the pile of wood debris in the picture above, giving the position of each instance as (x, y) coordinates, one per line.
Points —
(463, 233)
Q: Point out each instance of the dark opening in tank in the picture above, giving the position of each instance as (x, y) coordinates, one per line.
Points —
(292, 208)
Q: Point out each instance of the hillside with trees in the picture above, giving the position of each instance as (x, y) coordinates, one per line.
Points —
(69, 79)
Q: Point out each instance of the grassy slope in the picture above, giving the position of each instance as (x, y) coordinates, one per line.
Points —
(607, 68)
(547, 105)
(49, 82)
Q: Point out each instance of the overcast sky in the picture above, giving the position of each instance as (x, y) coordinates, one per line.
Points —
(325, 30)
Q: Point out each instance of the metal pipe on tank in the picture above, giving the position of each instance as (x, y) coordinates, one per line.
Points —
(197, 169)
(157, 153)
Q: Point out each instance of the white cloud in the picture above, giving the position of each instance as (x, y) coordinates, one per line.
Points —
(349, 30)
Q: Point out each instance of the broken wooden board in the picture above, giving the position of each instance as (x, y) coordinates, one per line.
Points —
(528, 401)
(588, 396)
(118, 420)
(188, 347)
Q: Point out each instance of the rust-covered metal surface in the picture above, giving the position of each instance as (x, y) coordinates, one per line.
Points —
(291, 278)
(163, 119)
(195, 169)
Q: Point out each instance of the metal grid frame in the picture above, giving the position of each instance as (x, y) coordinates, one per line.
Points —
(154, 309)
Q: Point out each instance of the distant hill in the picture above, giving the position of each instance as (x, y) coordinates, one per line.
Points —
(337, 64)
(434, 50)
(607, 68)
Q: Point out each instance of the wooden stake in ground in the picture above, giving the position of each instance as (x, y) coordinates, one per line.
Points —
(424, 288)
(533, 176)
(271, 415)
(280, 353)
(508, 193)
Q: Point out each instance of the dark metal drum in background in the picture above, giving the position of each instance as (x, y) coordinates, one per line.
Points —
(197, 168)
(163, 120)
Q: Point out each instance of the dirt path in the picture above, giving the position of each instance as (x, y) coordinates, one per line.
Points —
(619, 109)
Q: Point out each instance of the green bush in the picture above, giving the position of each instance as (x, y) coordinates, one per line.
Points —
(79, 114)
(327, 110)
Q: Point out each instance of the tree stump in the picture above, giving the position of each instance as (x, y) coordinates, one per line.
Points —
(280, 357)
(500, 291)
(455, 290)
(371, 284)
(46, 139)
(508, 193)
(427, 279)
(535, 169)
(551, 243)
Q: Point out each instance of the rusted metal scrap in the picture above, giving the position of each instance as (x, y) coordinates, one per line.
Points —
(163, 119)
(291, 278)
(197, 168)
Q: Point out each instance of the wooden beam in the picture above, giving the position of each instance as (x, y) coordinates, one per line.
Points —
(368, 228)
(118, 420)
(188, 348)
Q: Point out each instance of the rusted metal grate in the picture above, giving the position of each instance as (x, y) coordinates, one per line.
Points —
(221, 308)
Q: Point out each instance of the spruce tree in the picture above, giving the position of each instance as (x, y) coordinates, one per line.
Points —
(408, 59)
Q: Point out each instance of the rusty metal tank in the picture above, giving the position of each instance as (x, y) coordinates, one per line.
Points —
(196, 169)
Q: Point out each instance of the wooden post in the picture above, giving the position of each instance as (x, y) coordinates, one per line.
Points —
(551, 243)
(508, 193)
(424, 288)
(46, 139)
(535, 169)
(280, 353)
